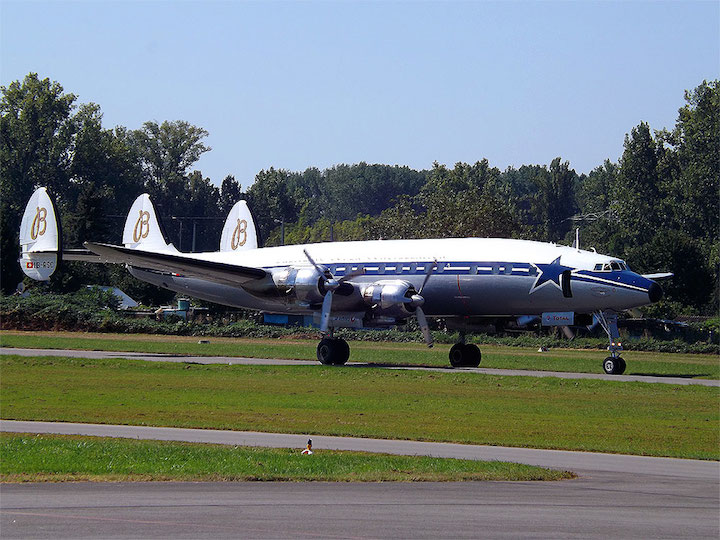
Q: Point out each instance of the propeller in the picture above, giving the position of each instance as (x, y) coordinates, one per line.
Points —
(417, 300)
(331, 284)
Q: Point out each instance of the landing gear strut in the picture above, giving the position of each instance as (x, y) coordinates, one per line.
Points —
(613, 364)
(464, 354)
(333, 351)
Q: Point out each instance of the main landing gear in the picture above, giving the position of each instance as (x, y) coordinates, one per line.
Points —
(613, 364)
(464, 354)
(333, 351)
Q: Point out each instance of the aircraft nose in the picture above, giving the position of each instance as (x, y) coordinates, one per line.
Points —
(655, 292)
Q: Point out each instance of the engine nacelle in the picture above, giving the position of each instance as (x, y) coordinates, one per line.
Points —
(390, 298)
(300, 284)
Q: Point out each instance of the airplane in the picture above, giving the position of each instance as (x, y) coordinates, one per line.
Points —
(364, 284)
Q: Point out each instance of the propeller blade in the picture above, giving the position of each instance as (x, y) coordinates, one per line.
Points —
(325, 313)
(422, 321)
(429, 272)
(319, 268)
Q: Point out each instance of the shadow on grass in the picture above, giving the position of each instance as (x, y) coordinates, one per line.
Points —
(398, 365)
(672, 375)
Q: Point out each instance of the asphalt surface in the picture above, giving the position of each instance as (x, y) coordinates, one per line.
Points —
(609, 506)
(153, 357)
(615, 496)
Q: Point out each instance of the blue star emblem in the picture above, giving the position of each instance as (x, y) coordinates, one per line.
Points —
(549, 273)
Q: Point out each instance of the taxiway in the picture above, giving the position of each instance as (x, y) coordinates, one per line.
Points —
(156, 357)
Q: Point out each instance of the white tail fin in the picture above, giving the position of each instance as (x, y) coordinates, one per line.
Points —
(39, 237)
(142, 228)
(239, 232)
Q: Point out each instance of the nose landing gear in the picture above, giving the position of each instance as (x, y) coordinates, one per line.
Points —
(613, 364)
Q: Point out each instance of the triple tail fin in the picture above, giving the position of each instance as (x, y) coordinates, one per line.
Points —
(239, 233)
(142, 228)
(40, 238)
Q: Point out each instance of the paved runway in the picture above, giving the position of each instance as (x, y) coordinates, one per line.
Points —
(615, 496)
(282, 362)
(607, 506)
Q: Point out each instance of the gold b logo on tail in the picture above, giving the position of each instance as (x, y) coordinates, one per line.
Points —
(239, 232)
(142, 226)
(39, 225)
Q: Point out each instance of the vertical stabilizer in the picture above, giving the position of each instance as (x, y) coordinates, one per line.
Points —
(239, 231)
(142, 228)
(40, 240)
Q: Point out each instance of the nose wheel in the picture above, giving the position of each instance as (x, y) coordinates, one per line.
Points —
(614, 365)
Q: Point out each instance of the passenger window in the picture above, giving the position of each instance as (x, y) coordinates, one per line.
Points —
(607, 268)
(598, 267)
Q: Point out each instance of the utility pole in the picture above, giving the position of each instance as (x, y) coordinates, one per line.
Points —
(282, 230)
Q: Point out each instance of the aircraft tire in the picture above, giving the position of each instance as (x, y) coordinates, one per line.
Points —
(472, 355)
(333, 352)
(621, 366)
(343, 350)
(465, 355)
(325, 350)
(614, 366)
(457, 355)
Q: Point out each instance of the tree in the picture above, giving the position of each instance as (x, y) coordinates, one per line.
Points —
(166, 152)
(230, 193)
(696, 137)
(554, 201)
(270, 199)
(35, 136)
(637, 199)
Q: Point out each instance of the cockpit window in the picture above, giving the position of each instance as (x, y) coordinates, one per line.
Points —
(611, 266)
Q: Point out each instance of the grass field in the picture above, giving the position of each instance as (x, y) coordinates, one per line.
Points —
(591, 415)
(33, 458)
(583, 361)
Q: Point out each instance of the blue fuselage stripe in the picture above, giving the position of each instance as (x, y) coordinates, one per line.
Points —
(623, 278)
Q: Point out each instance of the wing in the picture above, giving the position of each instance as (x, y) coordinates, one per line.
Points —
(217, 272)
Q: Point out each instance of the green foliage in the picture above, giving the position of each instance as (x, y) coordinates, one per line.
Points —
(657, 207)
(84, 310)
(35, 135)
(93, 310)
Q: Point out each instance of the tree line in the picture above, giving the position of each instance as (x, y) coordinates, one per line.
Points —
(657, 207)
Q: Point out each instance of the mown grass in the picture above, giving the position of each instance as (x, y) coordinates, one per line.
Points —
(60, 458)
(591, 415)
(400, 354)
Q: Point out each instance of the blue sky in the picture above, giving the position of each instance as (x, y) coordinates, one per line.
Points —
(300, 84)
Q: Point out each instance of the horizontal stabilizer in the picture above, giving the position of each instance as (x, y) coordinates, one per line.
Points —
(81, 255)
(661, 275)
(182, 264)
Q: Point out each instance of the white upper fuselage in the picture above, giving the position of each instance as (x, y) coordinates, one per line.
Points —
(473, 276)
